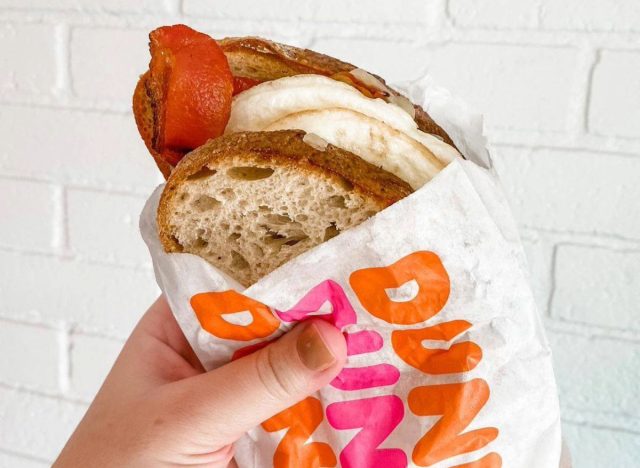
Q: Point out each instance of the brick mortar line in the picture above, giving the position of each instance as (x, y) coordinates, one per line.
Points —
(174, 7)
(79, 259)
(594, 413)
(552, 282)
(447, 13)
(43, 394)
(548, 30)
(579, 103)
(587, 98)
(50, 326)
(591, 331)
(533, 138)
(371, 29)
(64, 355)
(104, 190)
(569, 149)
(495, 129)
(60, 237)
(74, 328)
(595, 425)
(539, 14)
(628, 243)
(569, 243)
(68, 103)
(50, 182)
(95, 186)
(95, 332)
(74, 331)
(440, 11)
(62, 62)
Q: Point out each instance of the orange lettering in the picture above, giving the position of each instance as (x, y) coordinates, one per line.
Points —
(490, 460)
(293, 451)
(425, 268)
(460, 357)
(458, 404)
(210, 307)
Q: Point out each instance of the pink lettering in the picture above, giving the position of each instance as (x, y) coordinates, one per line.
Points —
(342, 312)
(378, 417)
(361, 342)
(358, 378)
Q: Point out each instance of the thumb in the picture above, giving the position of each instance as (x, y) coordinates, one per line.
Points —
(228, 401)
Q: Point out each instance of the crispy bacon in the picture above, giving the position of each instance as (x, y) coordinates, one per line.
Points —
(190, 87)
(242, 83)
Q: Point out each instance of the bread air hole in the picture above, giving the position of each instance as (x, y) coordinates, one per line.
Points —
(202, 173)
(272, 236)
(177, 245)
(345, 184)
(205, 203)
(278, 219)
(257, 251)
(291, 241)
(228, 194)
(336, 201)
(276, 240)
(249, 173)
(200, 243)
(331, 231)
(238, 262)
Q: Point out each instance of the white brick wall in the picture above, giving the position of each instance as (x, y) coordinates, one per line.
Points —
(38, 352)
(557, 80)
(28, 207)
(514, 81)
(36, 425)
(399, 60)
(493, 13)
(106, 62)
(615, 102)
(88, 372)
(93, 216)
(599, 286)
(606, 15)
(35, 75)
(579, 191)
(412, 11)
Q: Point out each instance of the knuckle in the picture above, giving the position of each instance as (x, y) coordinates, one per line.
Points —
(277, 377)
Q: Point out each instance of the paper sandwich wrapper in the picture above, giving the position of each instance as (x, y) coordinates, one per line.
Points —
(448, 364)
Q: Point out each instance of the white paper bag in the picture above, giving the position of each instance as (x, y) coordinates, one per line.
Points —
(448, 365)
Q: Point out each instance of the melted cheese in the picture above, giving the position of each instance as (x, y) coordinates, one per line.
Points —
(381, 133)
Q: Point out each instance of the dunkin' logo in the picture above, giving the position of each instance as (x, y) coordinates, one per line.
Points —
(456, 404)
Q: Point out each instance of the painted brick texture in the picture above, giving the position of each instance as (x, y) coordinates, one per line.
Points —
(557, 81)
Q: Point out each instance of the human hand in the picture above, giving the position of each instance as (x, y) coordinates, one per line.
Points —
(158, 406)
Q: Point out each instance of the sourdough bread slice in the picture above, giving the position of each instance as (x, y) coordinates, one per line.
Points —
(248, 202)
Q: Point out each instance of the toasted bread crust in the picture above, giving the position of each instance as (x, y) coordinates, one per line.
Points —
(143, 113)
(277, 60)
(264, 60)
(282, 148)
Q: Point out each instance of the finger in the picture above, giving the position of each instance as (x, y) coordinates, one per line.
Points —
(160, 323)
(225, 403)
